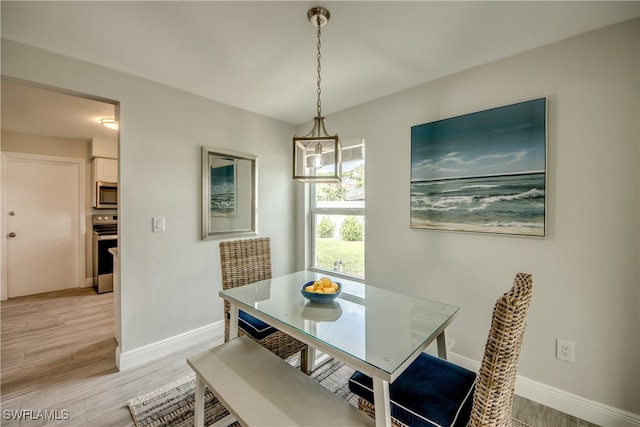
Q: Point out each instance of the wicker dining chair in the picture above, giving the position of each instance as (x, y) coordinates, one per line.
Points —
(247, 261)
(433, 391)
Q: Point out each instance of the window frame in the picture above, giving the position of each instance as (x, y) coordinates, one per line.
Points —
(316, 212)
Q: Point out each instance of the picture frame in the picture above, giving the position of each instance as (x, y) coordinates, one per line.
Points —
(483, 172)
(229, 196)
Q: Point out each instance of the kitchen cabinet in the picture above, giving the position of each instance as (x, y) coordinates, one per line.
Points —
(105, 169)
(104, 148)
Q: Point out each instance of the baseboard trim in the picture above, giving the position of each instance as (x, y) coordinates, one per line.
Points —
(118, 356)
(569, 403)
(147, 353)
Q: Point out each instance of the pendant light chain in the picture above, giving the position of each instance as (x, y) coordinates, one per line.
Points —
(317, 156)
(319, 56)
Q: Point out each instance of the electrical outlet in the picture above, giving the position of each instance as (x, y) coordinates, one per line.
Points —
(565, 350)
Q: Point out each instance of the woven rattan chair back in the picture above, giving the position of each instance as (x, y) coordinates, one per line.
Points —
(243, 262)
(495, 385)
(247, 261)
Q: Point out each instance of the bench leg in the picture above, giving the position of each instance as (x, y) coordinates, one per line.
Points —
(199, 403)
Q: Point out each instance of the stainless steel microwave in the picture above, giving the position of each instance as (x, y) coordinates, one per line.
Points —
(106, 195)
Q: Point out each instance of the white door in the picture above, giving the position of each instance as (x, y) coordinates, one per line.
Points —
(42, 205)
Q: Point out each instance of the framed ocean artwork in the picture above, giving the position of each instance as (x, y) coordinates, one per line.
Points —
(483, 172)
(228, 193)
(223, 189)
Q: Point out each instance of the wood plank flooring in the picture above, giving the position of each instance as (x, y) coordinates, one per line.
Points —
(58, 355)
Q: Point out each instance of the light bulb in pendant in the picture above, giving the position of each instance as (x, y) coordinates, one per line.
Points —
(317, 157)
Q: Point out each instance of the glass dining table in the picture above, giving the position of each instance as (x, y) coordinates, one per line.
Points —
(374, 330)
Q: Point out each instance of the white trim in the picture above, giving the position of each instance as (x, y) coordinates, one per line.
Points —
(569, 403)
(213, 332)
(118, 356)
(81, 165)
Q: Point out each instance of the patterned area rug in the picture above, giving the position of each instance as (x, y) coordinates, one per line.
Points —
(173, 404)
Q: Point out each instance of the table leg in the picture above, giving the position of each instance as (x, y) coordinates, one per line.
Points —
(442, 345)
(233, 321)
(199, 403)
(382, 402)
(306, 363)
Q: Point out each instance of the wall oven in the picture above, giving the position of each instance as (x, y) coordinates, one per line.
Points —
(105, 237)
(106, 195)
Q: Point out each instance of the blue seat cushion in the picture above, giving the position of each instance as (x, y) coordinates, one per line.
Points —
(430, 392)
(254, 327)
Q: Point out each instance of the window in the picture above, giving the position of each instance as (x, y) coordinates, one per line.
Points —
(337, 218)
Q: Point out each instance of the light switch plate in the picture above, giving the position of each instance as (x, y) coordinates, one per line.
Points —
(158, 224)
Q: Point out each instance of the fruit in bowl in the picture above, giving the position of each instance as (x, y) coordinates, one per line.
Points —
(323, 290)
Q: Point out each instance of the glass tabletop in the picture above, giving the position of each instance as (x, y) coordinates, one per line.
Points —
(379, 327)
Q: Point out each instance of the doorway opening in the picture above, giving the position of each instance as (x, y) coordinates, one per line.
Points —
(51, 139)
(51, 135)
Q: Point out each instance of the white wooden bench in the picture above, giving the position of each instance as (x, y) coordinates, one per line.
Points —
(260, 389)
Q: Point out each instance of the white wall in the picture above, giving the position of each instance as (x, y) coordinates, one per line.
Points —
(586, 281)
(170, 280)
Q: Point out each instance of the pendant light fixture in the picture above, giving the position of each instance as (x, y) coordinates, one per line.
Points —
(317, 156)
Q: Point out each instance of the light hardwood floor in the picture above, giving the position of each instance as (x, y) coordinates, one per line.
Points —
(58, 354)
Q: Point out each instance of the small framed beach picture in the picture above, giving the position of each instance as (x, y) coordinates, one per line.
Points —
(223, 188)
(483, 172)
(229, 193)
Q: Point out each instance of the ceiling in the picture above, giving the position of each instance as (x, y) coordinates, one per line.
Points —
(36, 111)
(261, 55)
